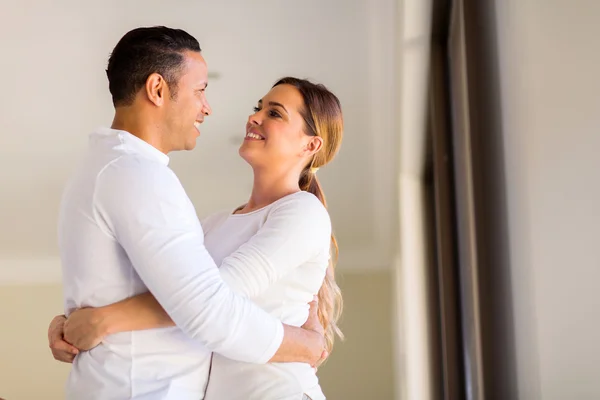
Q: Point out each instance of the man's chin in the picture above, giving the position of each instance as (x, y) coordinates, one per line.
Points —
(190, 146)
(191, 143)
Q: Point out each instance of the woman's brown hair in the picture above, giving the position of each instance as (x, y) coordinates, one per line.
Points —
(322, 115)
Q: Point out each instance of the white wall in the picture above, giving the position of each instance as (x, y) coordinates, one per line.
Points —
(550, 63)
(27, 369)
(56, 92)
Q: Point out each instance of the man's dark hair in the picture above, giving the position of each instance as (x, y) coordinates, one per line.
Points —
(142, 52)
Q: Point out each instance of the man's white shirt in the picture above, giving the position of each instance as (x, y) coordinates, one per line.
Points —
(126, 226)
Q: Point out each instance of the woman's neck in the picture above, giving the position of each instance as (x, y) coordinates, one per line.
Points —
(270, 186)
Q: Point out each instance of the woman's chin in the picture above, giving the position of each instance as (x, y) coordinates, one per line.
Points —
(247, 153)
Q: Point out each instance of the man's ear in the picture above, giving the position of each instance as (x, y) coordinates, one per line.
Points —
(156, 89)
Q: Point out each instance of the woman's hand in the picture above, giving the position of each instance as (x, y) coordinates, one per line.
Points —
(61, 350)
(313, 324)
(85, 328)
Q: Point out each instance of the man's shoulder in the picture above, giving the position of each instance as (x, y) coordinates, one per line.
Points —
(137, 176)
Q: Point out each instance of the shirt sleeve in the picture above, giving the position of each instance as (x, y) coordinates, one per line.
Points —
(295, 231)
(143, 205)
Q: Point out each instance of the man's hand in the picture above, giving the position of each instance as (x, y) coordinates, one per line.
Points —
(313, 324)
(84, 328)
(61, 350)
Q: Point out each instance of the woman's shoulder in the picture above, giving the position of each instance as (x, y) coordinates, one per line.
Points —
(304, 203)
(302, 210)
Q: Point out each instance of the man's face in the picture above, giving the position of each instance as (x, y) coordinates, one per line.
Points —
(186, 111)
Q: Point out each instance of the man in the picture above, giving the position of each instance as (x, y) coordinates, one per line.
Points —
(126, 227)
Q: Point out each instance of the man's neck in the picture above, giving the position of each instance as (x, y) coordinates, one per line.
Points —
(136, 124)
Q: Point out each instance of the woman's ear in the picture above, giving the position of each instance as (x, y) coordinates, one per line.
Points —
(156, 89)
(314, 145)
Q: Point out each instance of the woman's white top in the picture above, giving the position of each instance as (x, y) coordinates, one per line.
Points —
(277, 256)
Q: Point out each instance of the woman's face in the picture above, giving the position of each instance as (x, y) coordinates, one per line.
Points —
(275, 133)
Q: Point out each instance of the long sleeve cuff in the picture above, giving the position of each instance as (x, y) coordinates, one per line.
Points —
(273, 346)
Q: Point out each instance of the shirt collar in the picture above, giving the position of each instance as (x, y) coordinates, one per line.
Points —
(131, 142)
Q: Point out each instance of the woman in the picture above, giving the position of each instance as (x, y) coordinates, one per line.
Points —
(275, 249)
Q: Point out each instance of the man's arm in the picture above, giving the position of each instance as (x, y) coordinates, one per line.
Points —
(61, 350)
(87, 327)
(149, 214)
(296, 341)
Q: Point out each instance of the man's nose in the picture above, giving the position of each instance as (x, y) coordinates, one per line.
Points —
(206, 110)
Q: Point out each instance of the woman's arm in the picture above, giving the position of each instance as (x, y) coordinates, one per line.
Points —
(295, 232)
(86, 328)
